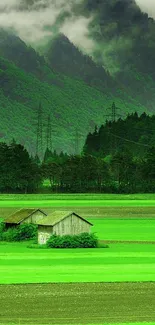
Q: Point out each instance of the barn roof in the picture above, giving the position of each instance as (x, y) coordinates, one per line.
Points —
(21, 215)
(58, 216)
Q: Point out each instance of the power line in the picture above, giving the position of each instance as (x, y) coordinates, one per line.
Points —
(77, 141)
(140, 144)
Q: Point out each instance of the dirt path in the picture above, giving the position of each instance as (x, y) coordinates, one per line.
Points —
(127, 242)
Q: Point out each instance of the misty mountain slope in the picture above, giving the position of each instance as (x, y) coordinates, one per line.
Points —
(15, 50)
(71, 105)
(65, 58)
(62, 57)
(77, 88)
(124, 42)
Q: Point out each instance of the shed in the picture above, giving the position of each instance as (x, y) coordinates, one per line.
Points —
(25, 216)
(62, 223)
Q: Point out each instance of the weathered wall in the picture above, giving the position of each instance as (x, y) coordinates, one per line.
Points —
(71, 226)
(34, 218)
(44, 233)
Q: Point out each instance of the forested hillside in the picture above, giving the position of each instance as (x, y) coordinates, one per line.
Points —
(135, 134)
(72, 102)
(78, 89)
(125, 44)
(123, 49)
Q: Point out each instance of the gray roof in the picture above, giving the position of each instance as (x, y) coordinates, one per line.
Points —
(58, 216)
(21, 215)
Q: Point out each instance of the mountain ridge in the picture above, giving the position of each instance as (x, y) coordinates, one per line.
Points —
(77, 89)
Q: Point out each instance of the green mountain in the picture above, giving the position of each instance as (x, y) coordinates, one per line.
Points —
(124, 46)
(71, 103)
(124, 39)
(75, 89)
(26, 79)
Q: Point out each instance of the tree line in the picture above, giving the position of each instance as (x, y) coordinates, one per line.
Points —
(126, 167)
(134, 133)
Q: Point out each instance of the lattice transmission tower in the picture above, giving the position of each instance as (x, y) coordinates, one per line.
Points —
(113, 115)
(78, 136)
(39, 125)
(49, 134)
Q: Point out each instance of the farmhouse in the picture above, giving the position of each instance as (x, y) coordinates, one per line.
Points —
(25, 216)
(61, 223)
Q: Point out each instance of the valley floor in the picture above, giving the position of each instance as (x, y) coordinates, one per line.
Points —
(118, 263)
(83, 286)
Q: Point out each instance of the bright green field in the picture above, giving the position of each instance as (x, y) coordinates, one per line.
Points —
(124, 229)
(77, 203)
(79, 196)
(78, 200)
(115, 217)
(120, 262)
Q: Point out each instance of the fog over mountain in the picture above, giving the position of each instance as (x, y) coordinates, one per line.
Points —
(147, 6)
(38, 21)
(82, 54)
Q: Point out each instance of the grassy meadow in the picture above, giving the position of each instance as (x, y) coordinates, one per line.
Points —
(112, 285)
(124, 229)
(118, 263)
(76, 200)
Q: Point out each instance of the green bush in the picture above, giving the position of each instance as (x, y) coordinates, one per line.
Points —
(26, 231)
(19, 233)
(84, 240)
(10, 234)
(2, 229)
(87, 240)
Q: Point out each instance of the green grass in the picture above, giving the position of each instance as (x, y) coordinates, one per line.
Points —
(120, 262)
(124, 229)
(77, 203)
(79, 196)
(76, 200)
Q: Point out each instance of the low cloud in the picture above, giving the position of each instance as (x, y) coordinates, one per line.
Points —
(77, 30)
(35, 23)
(147, 6)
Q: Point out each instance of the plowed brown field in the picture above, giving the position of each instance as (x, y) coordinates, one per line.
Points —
(77, 303)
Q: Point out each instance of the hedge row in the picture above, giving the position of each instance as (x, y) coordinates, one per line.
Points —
(19, 233)
(84, 240)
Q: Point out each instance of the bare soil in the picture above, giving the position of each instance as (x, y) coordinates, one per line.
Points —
(77, 303)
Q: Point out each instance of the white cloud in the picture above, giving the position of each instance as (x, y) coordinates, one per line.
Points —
(77, 30)
(147, 6)
(33, 23)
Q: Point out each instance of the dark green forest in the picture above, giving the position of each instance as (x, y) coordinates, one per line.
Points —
(135, 133)
(118, 157)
